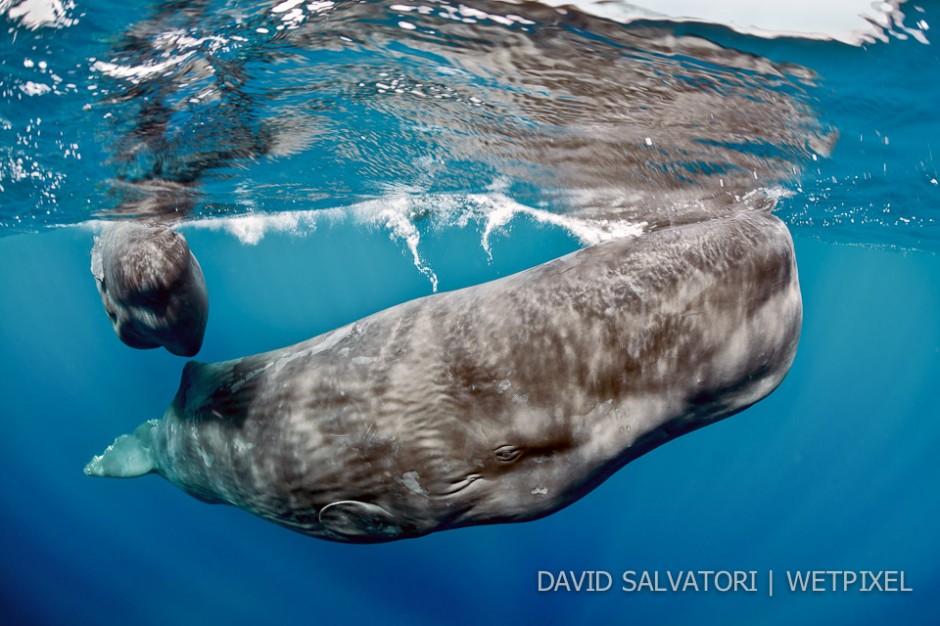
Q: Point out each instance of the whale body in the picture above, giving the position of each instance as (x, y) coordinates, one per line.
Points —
(151, 286)
(501, 402)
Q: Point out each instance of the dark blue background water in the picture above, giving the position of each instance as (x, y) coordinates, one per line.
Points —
(837, 469)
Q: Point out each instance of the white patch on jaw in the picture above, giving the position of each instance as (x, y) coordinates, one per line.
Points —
(520, 398)
(540, 491)
(410, 480)
(504, 385)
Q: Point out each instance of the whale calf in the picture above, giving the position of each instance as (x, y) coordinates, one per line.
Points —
(151, 286)
(501, 402)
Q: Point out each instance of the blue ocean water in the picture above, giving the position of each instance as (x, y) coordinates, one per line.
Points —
(835, 470)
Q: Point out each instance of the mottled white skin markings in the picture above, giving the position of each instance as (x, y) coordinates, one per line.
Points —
(501, 402)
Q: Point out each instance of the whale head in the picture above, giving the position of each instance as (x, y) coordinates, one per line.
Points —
(151, 286)
(519, 463)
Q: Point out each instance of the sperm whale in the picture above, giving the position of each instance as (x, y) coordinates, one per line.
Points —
(501, 402)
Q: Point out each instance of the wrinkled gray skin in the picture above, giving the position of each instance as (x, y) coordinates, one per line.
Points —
(151, 286)
(502, 402)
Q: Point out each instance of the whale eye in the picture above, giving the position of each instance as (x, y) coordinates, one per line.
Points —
(507, 453)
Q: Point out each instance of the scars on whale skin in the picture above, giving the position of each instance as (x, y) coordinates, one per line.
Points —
(151, 286)
(502, 402)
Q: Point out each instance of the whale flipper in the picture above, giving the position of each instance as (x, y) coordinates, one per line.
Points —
(128, 457)
(361, 521)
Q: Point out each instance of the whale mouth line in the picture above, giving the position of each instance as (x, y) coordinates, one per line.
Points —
(460, 486)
